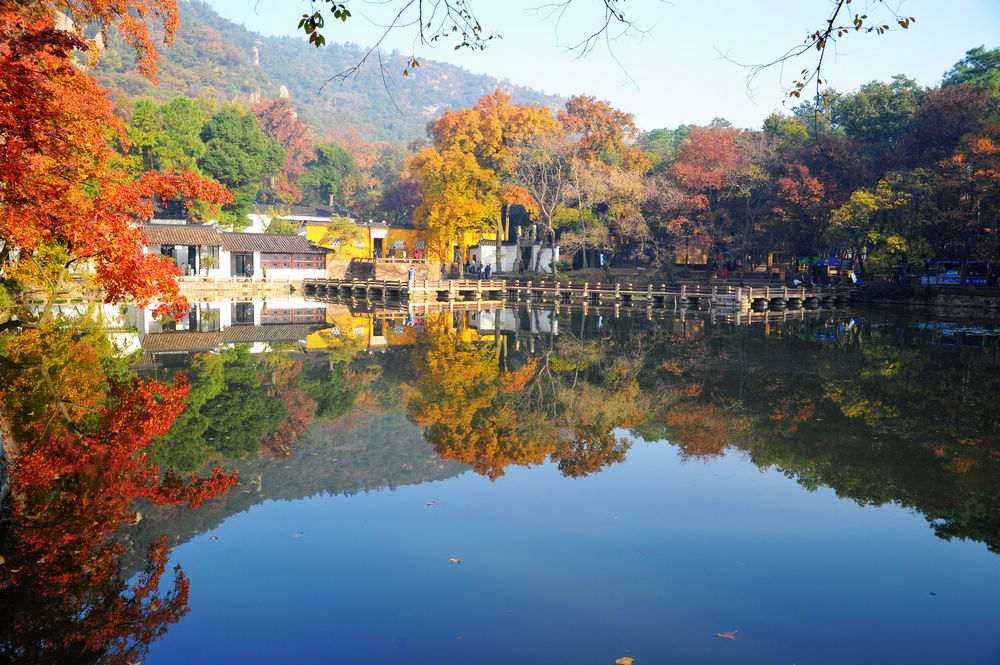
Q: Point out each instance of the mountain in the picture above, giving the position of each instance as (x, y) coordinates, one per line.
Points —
(376, 453)
(213, 57)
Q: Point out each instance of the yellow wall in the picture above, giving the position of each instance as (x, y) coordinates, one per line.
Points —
(360, 329)
(408, 237)
(315, 233)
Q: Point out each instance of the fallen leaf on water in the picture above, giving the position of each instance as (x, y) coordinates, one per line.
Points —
(213, 537)
(930, 592)
(625, 660)
(432, 503)
(298, 534)
(459, 637)
(730, 635)
(456, 560)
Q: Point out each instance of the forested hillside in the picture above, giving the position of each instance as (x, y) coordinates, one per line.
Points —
(216, 58)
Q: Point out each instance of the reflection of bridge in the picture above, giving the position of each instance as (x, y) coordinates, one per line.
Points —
(415, 290)
(674, 296)
(618, 310)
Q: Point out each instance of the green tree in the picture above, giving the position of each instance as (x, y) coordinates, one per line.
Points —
(331, 173)
(144, 133)
(979, 69)
(238, 155)
(878, 115)
(228, 412)
(180, 144)
(185, 447)
(168, 136)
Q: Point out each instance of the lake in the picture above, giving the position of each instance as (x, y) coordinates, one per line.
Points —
(541, 487)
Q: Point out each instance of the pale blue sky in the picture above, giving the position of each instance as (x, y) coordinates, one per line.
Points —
(677, 72)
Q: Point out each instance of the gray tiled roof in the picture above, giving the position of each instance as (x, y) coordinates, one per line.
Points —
(206, 341)
(267, 242)
(181, 234)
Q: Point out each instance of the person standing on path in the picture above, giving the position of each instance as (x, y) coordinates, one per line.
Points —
(489, 267)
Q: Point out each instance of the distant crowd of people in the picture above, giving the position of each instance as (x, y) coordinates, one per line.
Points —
(400, 254)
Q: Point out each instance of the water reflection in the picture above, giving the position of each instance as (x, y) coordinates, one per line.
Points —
(77, 423)
(302, 398)
(881, 408)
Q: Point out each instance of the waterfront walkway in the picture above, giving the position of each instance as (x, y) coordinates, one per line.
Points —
(701, 296)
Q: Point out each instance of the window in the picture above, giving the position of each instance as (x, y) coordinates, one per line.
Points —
(285, 315)
(296, 261)
(276, 260)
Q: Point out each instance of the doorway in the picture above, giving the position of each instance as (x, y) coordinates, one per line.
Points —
(241, 263)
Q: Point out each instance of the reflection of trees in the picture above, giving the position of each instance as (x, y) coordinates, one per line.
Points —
(559, 405)
(870, 415)
(459, 401)
(228, 412)
(239, 404)
(82, 424)
(933, 410)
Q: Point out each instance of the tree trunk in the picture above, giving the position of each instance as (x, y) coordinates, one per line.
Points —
(535, 256)
(552, 250)
(501, 232)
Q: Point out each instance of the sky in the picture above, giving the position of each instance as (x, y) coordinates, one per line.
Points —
(685, 62)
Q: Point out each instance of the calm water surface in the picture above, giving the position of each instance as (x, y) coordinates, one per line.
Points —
(648, 559)
(502, 487)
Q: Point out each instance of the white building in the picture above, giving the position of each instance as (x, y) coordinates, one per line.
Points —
(297, 215)
(486, 253)
(199, 249)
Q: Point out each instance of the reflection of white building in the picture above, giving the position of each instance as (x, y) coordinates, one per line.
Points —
(199, 249)
(539, 321)
(217, 316)
(209, 326)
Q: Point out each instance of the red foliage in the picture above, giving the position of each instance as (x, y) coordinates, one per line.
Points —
(708, 160)
(131, 18)
(59, 186)
(280, 122)
(62, 588)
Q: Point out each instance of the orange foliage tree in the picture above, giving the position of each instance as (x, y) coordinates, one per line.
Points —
(488, 139)
(460, 404)
(479, 415)
(60, 186)
(80, 421)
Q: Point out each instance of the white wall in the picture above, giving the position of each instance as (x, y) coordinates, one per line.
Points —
(485, 320)
(258, 223)
(509, 255)
(291, 273)
(223, 269)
